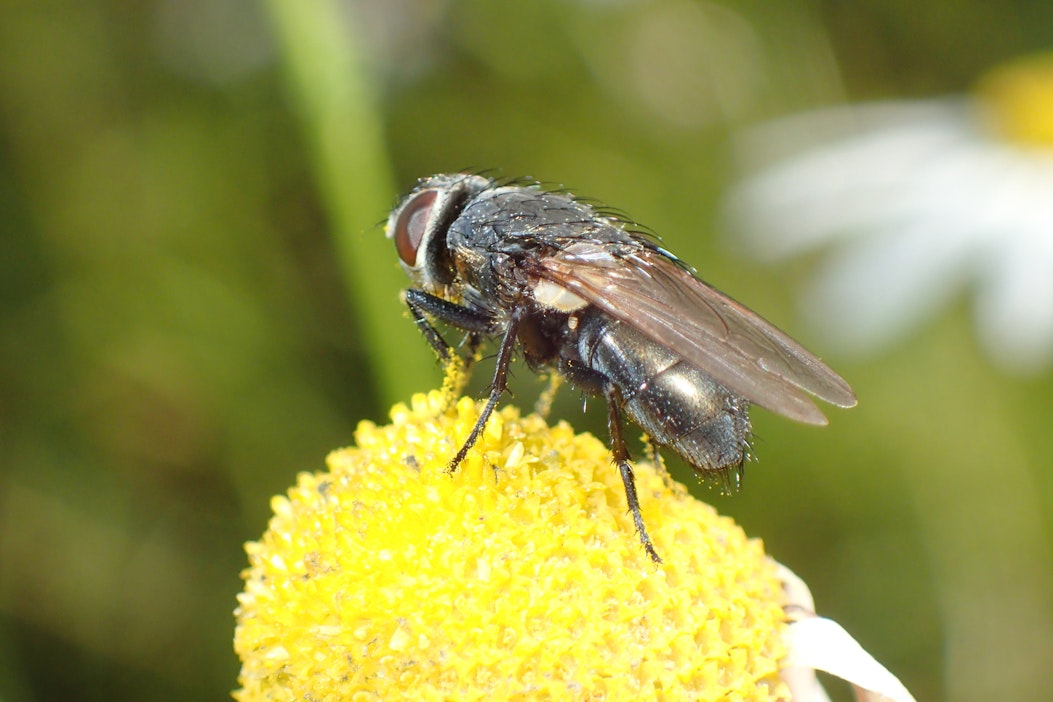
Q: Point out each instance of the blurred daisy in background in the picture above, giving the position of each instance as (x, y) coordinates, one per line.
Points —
(920, 200)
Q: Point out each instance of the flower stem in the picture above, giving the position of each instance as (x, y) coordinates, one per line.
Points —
(331, 90)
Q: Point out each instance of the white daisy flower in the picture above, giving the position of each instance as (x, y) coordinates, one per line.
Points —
(923, 199)
(527, 587)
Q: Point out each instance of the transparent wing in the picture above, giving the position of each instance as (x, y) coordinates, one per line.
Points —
(735, 346)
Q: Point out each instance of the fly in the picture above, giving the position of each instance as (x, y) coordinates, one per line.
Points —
(573, 290)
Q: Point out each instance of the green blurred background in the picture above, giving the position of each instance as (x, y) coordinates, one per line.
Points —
(197, 301)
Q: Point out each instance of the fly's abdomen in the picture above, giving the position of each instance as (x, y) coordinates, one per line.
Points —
(679, 406)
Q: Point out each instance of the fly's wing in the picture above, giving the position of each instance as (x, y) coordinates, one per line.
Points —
(735, 346)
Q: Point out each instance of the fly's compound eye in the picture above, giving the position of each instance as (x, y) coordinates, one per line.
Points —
(411, 225)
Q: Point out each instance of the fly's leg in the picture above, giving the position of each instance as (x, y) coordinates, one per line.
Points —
(621, 456)
(497, 388)
(596, 383)
(423, 305)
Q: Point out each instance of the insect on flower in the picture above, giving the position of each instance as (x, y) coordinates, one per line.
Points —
(576, 292)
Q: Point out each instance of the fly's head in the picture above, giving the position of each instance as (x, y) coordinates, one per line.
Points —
(419, 228)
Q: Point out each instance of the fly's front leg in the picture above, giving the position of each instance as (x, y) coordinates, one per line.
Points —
(423, 305)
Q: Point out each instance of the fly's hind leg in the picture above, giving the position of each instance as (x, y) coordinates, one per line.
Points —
(621, 457)
(596, 383)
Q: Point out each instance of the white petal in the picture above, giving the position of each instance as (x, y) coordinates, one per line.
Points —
(815, 643)
(837, 188)
(871, 293)
(1015, 317)
(823, 644)
(804, 685)
(1014, 309)
(799, 602)
(927, 202)
(795, 133)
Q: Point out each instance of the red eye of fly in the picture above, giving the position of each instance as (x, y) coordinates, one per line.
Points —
(411, 225)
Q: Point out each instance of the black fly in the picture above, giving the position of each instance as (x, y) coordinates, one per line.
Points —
(608, 309)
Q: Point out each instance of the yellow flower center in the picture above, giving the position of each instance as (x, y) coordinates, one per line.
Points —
(1017, 100)
(518, 576)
